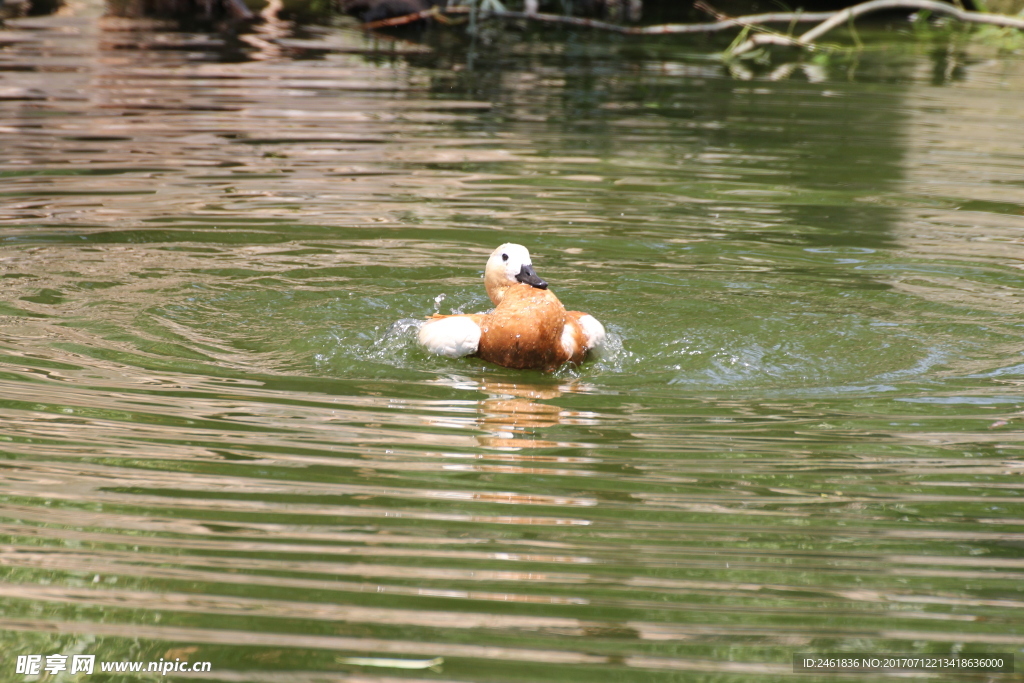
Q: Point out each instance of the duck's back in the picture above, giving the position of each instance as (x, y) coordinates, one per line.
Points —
(524, 330)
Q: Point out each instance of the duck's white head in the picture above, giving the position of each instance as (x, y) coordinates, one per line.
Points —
(509, 265)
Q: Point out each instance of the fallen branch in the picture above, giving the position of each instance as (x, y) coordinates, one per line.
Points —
(843, 16)
(562, 19)
(404, 19)
(706, 27)
(828, 21)
(735, 22)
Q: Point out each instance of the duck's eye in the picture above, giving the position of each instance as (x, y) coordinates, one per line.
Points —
(504, 257)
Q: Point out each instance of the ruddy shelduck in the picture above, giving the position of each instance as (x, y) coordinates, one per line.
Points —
(528, 327)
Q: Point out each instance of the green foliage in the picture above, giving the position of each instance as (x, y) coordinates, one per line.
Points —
(1002, 38)
(310, 10)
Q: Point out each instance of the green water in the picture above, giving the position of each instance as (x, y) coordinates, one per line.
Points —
(221, 443)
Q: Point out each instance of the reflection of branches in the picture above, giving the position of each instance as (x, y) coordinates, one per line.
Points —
(266, 33)
(828, 21)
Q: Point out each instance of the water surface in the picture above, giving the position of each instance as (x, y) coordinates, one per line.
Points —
(220, 442)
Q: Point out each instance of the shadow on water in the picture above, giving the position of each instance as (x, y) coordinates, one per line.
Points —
(220, 442)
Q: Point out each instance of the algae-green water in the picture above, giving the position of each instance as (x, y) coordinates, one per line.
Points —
(219, 441)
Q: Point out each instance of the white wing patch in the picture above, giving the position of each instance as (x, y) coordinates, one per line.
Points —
(593, 330)
(568, 339)
(452, 337)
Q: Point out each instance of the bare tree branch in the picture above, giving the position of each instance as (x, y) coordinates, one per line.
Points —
(563, 19)
(734, 22)
(404, 19)
(843, 16)
(828, 21)
(707, 27)
(849, 13)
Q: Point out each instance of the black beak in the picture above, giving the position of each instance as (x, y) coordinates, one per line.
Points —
(528, 275)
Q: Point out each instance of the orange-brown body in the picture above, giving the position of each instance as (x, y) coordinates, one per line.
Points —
(528, 327)
(526, 330)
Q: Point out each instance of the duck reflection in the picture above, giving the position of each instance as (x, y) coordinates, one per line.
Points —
(513, 412)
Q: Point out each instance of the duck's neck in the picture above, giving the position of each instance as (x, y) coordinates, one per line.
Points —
(515, 292)
(496, 286)
(497, 295)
